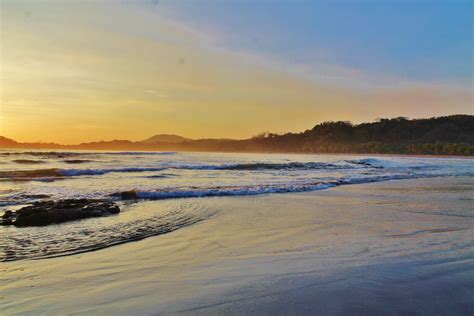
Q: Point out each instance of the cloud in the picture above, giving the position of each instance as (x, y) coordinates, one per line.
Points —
(118, 70)
(157, 93)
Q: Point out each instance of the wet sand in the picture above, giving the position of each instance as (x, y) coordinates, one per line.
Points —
(398, 247)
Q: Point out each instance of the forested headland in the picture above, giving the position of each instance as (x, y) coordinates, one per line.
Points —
(448, 135)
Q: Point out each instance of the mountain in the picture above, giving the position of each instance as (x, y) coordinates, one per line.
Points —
(107, 145)
(7, 142)
(165, 138)
(447, 135)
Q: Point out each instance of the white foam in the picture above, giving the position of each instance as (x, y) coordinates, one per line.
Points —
(82, 172)
(265, 189)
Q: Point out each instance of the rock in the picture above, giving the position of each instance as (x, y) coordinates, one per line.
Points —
(128, 195)
(54, 212)
(6, 221)
(6, 218)
(35, 196)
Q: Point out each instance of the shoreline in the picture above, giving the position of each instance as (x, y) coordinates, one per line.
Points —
(138, 200)
(280, 254)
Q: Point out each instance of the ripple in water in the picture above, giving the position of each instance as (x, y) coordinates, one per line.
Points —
(137, 221)
(160, 179)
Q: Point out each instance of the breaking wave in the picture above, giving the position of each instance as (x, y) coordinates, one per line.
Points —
(30, 174)
(175, 193)
(90, 172)
(65, 154)
(52, 174)
(262, 166)
(61, 173)
(144, 179)
(27, 161)
(139, 153)
(44, 154)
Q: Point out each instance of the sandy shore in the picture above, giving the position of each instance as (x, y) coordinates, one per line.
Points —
(384, 248)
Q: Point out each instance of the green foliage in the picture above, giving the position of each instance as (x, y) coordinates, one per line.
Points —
(449, 135)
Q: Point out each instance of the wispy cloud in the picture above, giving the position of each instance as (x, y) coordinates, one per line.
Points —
(156, 93)
(126, 70)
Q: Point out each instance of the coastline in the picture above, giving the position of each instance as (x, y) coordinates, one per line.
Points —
(398, 135)
(364, 248)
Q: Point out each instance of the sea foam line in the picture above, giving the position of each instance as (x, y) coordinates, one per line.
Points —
(250, 190)
(59, 173)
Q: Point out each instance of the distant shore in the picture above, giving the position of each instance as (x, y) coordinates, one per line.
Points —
(440, 136)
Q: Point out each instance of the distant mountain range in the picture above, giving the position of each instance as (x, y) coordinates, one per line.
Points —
(146, 144)
(448, 135)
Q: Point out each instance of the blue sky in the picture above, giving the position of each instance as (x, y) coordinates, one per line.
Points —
(412, 40)
(105, 69)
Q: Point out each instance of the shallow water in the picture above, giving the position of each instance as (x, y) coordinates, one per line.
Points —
(390, 248)
(26, 176)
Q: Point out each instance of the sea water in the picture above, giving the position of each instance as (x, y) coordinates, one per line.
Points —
(158, 179)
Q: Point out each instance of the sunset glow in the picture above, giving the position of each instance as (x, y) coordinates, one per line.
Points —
(74, 71)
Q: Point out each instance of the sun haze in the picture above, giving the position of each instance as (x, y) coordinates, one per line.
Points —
(74, 71)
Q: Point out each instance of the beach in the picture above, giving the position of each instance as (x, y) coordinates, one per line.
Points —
(236, 158)
(395, 247)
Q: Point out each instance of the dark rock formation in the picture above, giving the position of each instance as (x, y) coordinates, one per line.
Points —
(127, 195)
(7, 218)
(35, 196)
(54, 212)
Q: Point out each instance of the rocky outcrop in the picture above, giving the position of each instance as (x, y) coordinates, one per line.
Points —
(126, 195)
(48, 212)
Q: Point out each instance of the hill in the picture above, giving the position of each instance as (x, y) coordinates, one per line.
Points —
(448, 135)
(7, 142)
(165, 138)
(442, 135)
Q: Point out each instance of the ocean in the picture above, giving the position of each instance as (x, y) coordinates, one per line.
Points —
(159, 179)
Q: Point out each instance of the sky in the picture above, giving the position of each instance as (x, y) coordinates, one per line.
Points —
(75, 71)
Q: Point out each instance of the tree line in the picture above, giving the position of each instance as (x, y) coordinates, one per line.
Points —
(449, 135)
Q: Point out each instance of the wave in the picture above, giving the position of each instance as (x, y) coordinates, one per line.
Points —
(65, 154)
(261, 166)
(390, 164)
(90, 172)
(44, 174)
(45, 154)
(77, 161)
(368, 163)
(254, 189)
(30, 174)
(344, 164)
(61, 173)
(27, 161)
(161, 176)
(166, 153)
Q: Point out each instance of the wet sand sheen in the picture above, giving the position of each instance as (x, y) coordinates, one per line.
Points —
(393, 247)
